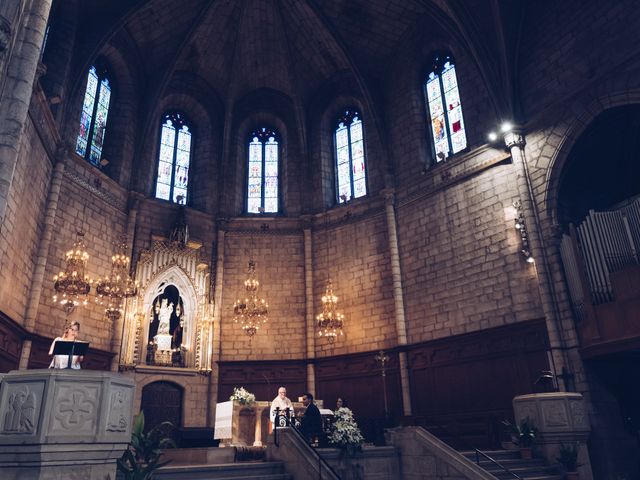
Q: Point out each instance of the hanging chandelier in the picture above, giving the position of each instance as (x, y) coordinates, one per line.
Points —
(114, 288)
(251, 312)
(72, 285)
(330, 321)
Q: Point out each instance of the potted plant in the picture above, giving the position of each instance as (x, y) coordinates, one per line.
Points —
(523, 434)
(568, 458)
(142, 456)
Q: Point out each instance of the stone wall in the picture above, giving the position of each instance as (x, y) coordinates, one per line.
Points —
(22, 227)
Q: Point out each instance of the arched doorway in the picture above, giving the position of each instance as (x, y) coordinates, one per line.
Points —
(162, 402)
(598, 208)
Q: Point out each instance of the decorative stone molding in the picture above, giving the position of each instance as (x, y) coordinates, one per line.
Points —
(101, 194)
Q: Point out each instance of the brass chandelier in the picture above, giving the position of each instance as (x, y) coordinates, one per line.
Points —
(330, 321)
(72, 285)
(114, 288)
(251, 312)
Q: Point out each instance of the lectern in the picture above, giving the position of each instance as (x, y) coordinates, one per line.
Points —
(70, 348)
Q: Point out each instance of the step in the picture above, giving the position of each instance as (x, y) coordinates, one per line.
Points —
(524, 472)
(495, 454)
(245, 471)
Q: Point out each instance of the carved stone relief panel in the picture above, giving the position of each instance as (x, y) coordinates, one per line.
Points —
(554, 414)
(119, 409)
(21, 408)
(578, 413)
(75, 408)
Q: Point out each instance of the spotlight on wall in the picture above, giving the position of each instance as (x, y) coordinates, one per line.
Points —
(521, 227)
(492, 136)
(104, 162)
(506, 127)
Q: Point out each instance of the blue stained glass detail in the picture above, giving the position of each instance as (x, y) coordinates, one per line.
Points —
(445, 110)
(93, 118)
(262, 176)
(350, 156)
(174, 158)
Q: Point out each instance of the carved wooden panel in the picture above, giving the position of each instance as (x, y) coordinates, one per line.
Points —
(262, 378)
(162, 402)
(11, 337)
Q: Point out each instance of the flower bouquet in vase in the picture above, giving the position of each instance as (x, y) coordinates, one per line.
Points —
(243, 397)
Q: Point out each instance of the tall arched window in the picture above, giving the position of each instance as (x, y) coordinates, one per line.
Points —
(262, 182)
(350, 162)
(93, 120)
(445, 109)
(173, 159)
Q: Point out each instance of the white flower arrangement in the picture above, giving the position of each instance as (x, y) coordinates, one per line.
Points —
(242, 396)
(344, 431)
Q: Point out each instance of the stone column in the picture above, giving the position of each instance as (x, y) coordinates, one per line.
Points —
(35, 292)
(515, 142)
(398, 298)
(310, 317)
(17, 82)
(217, 328)
(116, 334)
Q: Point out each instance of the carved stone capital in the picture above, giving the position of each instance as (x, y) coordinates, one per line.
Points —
(514, 139)
(389, 195)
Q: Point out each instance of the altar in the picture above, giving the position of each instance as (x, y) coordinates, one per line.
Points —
(247, 425)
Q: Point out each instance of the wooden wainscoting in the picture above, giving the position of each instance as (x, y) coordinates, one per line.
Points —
(262, 378)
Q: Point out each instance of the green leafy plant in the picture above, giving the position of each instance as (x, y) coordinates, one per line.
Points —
(525, 432)
(569, 456)
(142, 456)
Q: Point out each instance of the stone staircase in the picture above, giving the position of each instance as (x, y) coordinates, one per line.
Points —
(535, 469)
(232, 463)
(228, 471)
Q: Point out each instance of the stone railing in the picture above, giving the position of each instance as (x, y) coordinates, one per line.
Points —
(425, 457)
(287, 446)
(63, 423)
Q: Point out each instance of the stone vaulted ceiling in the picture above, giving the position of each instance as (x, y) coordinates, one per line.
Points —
(295, 46)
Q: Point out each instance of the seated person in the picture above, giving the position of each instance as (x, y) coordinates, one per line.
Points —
(311, 422)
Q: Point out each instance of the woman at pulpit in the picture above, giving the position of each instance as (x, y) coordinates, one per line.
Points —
(61, 361)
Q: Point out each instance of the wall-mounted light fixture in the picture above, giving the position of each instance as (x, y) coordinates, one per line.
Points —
(521, 227)
(506, 127)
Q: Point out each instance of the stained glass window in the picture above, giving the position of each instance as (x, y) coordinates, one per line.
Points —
(174, 156)
(445, 110)
(350, 159)
(93, 119)
(262, 180)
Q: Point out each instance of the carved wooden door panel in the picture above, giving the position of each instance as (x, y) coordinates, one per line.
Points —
(161, 402)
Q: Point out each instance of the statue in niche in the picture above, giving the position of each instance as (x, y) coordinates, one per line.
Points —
(164, 317)
(167, 316)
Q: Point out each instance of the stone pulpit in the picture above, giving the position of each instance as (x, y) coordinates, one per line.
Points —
(70, 424)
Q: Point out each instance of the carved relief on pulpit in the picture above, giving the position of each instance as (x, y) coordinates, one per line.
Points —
(20, 415)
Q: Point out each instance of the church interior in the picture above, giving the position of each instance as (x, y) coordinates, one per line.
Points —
(423, 207)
